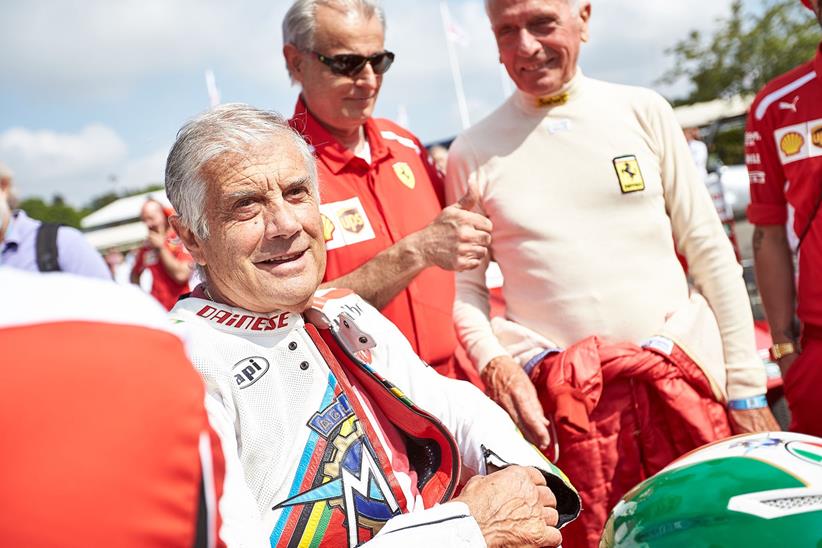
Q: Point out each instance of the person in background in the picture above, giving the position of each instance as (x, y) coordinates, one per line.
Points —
(783, 151)
(699, 150)
(28, 244)
(591, 190)
(164, 255)
(439, 155)
(387, 236)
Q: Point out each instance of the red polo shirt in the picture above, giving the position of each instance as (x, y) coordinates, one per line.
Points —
(783, 150)
(367, 208)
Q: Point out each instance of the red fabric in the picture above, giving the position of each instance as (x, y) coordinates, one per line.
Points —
(443, 474)
(783, 143)
(621, 414)
(100, 442)
(802, 384)
(393, 209)
(163, 287)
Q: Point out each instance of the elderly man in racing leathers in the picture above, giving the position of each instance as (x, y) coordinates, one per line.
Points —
(340, 433)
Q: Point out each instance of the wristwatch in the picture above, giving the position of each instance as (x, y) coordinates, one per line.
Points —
(780, 350)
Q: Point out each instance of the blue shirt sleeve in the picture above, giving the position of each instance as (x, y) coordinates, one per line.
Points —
(78, 256)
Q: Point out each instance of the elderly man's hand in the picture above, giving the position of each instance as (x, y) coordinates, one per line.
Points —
(457, 239)
(508, 385)
(513, 507)
(752, 420)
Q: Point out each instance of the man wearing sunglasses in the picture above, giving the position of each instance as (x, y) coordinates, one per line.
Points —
(387, 235)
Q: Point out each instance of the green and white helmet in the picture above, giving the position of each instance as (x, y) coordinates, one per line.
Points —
(750, 490)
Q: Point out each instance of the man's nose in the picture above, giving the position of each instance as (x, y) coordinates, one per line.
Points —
(282, 221)
(526, 43)
(367, 78)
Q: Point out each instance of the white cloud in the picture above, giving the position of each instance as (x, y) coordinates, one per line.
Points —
(103, 47)
(78, 165)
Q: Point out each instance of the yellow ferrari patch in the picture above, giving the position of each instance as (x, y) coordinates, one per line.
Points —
(630, 177)
(553, 100)
(405, 175)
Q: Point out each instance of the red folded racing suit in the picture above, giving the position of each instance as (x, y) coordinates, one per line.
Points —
(621, 413)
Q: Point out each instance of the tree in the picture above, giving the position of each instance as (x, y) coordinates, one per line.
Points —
(746, 50)
(56, 212)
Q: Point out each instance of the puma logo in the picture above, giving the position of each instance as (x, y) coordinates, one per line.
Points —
(784, 105)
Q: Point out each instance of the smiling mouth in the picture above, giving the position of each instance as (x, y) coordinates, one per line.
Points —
(283, 259)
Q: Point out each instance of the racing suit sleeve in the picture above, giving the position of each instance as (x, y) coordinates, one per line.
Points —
(241, 524)
(767, 179)
(471, 306)
(484, 432)
(699, 236)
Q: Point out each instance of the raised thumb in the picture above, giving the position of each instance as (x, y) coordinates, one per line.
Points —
(469, 199)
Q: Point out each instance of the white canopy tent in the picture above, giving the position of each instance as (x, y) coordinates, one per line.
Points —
(118, 225)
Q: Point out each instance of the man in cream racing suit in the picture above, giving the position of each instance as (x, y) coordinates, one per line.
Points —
(335, 432)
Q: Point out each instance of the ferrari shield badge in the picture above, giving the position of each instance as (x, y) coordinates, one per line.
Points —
(405, 175)
(630, 177)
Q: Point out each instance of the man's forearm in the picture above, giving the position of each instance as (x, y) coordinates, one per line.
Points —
(773, 264)
(389, 272)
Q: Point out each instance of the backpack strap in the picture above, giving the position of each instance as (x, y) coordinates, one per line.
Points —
(47, 247)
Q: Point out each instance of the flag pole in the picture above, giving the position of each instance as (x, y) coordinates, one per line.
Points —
(211, 87)
(455, 67)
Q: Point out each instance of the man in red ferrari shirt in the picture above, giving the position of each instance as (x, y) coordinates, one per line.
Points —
(164, 255)
(783, 150)
(386, 233)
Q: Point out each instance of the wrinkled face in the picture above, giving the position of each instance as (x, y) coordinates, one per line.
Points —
(153, 216)
(340, 102)
(538, 41)
(265, 251)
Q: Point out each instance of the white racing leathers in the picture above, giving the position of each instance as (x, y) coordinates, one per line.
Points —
(336, 434)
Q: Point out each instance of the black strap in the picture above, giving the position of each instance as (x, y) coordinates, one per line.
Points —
(810, 220)
(47, 248)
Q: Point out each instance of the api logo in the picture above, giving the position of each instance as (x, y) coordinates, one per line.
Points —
(248, 371)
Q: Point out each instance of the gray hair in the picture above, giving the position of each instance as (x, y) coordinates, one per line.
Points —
(299, 22)
(573, 4)
(228, 128)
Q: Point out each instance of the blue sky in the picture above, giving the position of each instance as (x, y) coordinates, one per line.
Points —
(94, 90)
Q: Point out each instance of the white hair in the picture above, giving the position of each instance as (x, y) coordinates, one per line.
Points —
(573, 4)
(228, 128)
(299, 23)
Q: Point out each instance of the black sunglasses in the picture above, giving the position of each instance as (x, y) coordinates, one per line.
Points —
(350, 64)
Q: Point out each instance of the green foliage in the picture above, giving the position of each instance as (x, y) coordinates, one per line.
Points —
(56, 212)
(746, 50)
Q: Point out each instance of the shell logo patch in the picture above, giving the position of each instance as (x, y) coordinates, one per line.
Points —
(345, 223)
(791, 143)
(328, 228)
(628, 173)
(403, 172)
(351, 220)
(816, 136)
